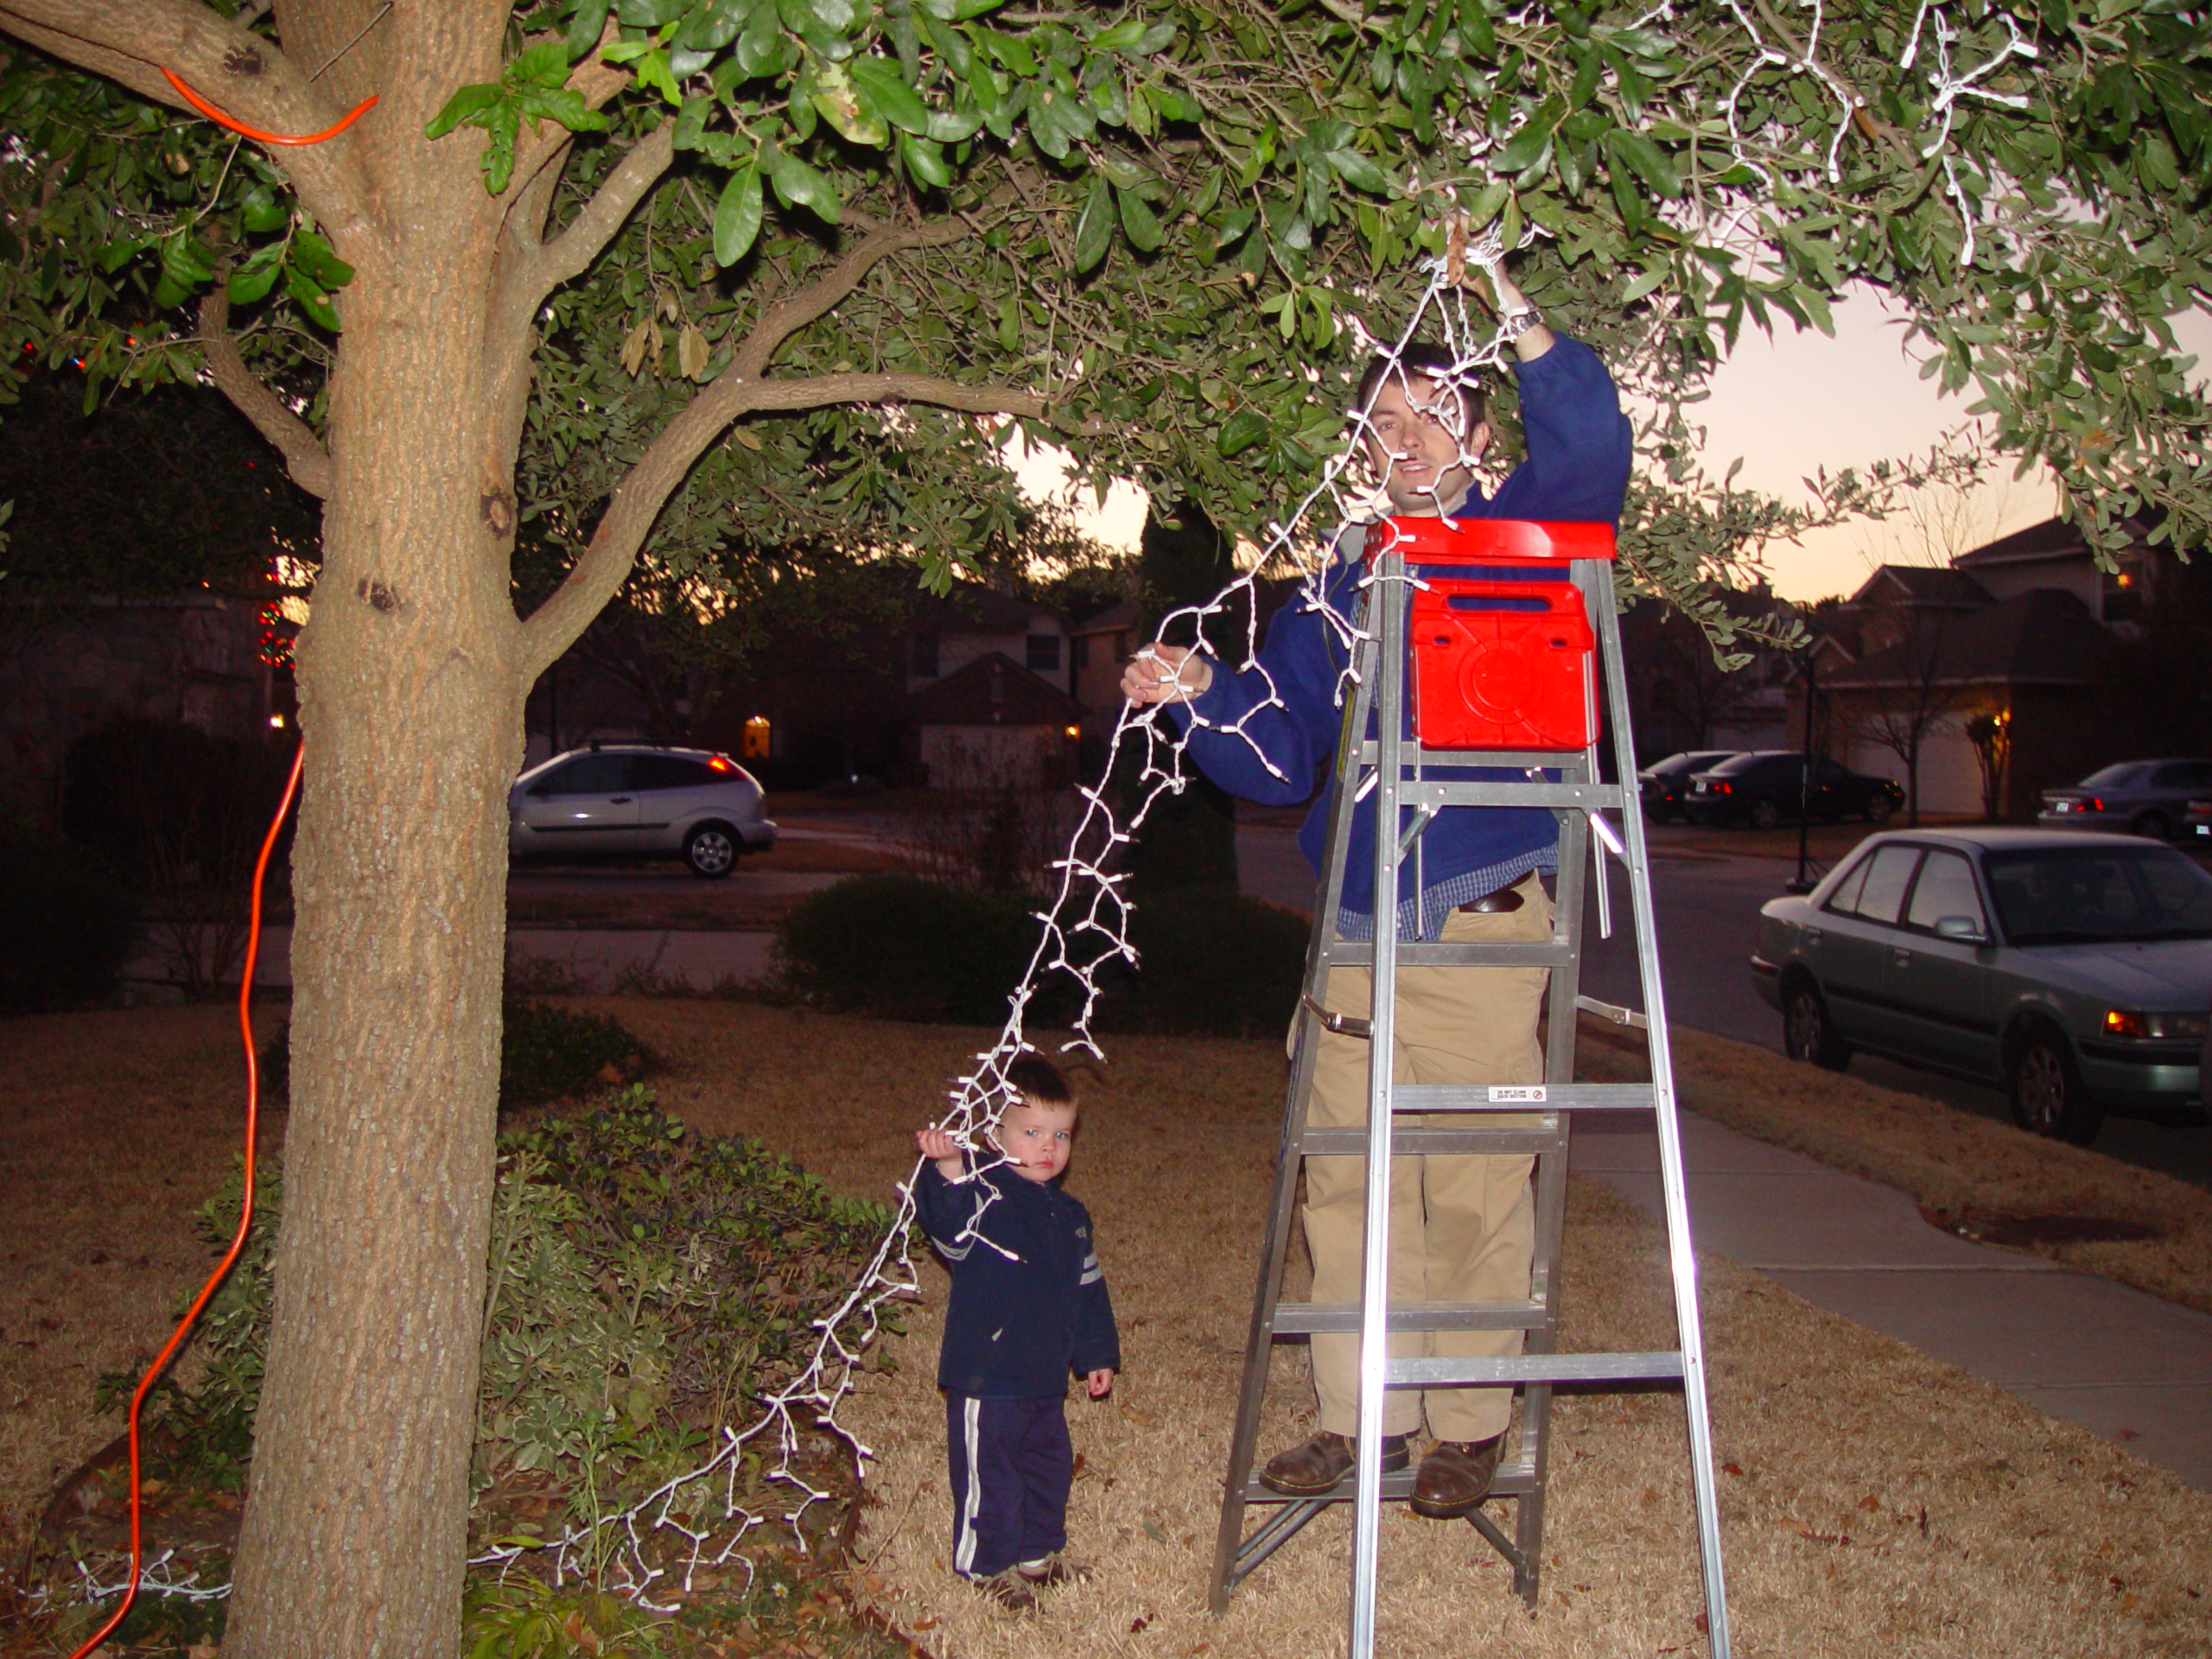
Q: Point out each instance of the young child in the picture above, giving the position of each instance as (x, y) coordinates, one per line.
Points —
(1029, 1304)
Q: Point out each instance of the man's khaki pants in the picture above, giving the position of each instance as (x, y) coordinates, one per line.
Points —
(1462, 1229)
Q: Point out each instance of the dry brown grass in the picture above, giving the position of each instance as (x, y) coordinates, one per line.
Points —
(1952, 1163)
(1873, 1500)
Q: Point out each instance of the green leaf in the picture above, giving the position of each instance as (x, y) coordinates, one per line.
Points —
(1241, 431)
(842, 105)
(584, 28)
(311, 254)
(254, 279)
(1648, 162)
(1355, 170)
(545, 64)
(311, 299)
(1139, 223)
(464, 105)
(799, 185)
(1119, 37)
(882, 85)
(924, 161)
(1094, 227)
(737, 215)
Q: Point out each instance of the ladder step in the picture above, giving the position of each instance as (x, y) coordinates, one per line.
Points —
(1515, 1477)
(1436, 793)
(1530, 1367)
(1526, 1314)
(1433, 1143)
(1521, 1097)
(1535, 953)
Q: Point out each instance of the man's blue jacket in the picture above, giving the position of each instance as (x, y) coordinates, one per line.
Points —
(1576, 471)
(1028, 1313)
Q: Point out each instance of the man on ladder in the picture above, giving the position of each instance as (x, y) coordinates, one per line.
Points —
(1461, 1227)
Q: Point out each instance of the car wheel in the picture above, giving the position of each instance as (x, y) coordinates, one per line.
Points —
(1879, 808)
(1806, 1032)
(2048, 1098)
(1765, 814)
(710, 851)
(2152, 826)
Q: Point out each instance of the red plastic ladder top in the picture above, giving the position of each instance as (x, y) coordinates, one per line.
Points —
(1490, 541)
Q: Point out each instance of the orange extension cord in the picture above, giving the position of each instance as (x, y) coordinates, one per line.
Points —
(255, 133)
(246, 1206)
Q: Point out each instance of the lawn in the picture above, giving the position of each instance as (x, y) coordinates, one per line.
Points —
(1872, 1499)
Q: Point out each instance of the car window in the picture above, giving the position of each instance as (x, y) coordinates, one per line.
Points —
(1845, 898)
(2078, 895)
(1888, 874)
(1829, 772)
(589, 774)
(2183, 774)
(1944, 887)
(667, 772)
(2110, 777)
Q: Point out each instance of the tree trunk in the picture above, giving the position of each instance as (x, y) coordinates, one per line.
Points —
(411, 697)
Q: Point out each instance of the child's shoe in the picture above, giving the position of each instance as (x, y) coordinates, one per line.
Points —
(1047, 1571)
(1010, 1589)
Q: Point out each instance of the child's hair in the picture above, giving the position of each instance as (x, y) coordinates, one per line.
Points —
(1035, 1081)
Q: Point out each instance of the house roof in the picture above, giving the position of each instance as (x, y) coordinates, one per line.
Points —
(1922, 584)
(971, 607)
(993, 691)
(2043, 637)
(2054, 539)
(1115, 618)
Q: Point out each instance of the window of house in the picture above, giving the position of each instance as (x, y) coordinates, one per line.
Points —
(924, 663)
(1079, 651)
(1044, 653)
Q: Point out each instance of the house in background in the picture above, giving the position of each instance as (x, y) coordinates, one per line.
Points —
(1987, 681)
(1679, 696)
(992, 724)
(213, 661)
(973, 621)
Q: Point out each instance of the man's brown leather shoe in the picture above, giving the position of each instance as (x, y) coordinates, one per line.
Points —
(1315, 1466)
(1455, 1477)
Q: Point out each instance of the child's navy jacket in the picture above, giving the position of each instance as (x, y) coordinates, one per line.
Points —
(1016, 1326)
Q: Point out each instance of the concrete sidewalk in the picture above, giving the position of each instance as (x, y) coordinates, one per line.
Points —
(2121, 1364)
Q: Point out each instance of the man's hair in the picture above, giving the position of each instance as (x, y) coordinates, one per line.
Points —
(1035, 1081)
(1428, 362)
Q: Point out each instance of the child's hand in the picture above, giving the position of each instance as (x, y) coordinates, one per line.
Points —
(1101, 1382)
(938, 1146)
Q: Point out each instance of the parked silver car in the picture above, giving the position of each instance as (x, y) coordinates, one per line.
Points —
(639, 803)
(2144, 797)
(2074, 971)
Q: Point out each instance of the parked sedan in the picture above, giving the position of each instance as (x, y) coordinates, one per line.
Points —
(1765, 786)
(2144, 797)
(1663, 783)
(2073, 971)
(604, 803)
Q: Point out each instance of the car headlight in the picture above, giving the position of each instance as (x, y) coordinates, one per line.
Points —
(2132, 1022)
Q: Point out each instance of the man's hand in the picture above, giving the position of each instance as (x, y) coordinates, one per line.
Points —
(1163, 673)
(1101, 1382)
(941, 1149)
(1538, 338)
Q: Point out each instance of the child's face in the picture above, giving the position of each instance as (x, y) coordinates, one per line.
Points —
(1037, 1139)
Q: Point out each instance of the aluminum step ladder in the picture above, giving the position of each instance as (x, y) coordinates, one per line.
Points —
(1399, 769)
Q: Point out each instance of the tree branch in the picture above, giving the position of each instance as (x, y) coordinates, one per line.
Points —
(739, 388)
(133, 42)
(305, 458)
(567, 254)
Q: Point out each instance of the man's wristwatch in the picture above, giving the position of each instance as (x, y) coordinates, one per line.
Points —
(1517, 323)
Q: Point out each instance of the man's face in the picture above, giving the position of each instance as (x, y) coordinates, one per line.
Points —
(1417, 441)
(1037, 1139)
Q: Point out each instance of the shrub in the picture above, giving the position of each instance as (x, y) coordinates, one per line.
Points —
(645, 1281)
(900, 948)
(69, 924)
(1209, 961)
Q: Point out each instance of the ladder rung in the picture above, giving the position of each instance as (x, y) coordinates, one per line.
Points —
(1437, 793)
(1522, 1097)
(1433, 1143)
(1530, 1367)
(1515, 1477)
(1512, 759)
(1342, 1318)
(1535, 953)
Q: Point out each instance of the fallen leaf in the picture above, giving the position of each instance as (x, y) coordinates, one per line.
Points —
(1869, 1502)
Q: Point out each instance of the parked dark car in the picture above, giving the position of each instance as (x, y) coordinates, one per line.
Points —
(1663, 783)
(634, 802)
(2142, 798)
(2074, 971)
(1765, 786)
